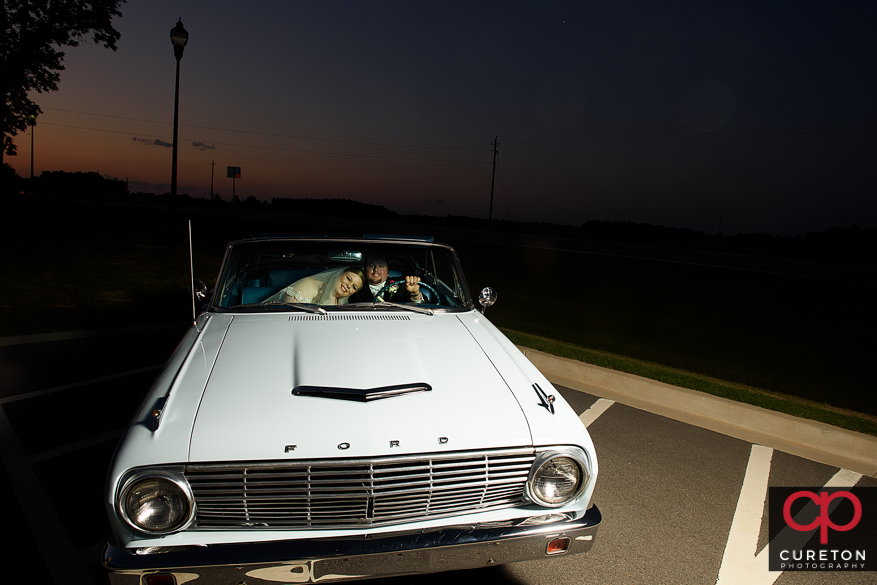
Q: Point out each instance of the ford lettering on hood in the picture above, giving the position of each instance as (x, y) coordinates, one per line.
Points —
(248, 395)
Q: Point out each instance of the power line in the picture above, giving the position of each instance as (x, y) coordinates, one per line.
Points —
(693, 127)
(333, 154)
(381, 144)
(820, 130)
(493, 178)
(687, 132)
(388, 151)
(690, 160)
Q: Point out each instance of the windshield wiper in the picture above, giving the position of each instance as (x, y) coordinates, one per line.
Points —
(308, 308)
(415, 308)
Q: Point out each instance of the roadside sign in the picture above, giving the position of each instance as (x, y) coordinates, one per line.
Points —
(234, 172)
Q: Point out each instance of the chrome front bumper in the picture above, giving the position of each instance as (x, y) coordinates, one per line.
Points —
(328, 560)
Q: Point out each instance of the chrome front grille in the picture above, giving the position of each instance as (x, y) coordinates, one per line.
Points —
(357, 492)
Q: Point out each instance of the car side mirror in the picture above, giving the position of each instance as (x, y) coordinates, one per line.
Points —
(199, 295)
(486, 298)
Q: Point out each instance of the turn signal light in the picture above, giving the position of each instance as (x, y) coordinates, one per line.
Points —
(557, 546)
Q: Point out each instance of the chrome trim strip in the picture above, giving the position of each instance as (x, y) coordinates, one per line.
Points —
(344, 559)
(361, 394)
(280, 464)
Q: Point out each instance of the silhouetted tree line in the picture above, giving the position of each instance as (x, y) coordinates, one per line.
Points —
(348, 207)
(82, 186)
(848, 244)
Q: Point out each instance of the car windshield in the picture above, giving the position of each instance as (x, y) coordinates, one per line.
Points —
(290, 274)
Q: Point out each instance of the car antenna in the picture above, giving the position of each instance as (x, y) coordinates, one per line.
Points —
(192, 277)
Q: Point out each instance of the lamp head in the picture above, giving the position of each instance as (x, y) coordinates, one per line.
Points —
(179, 38)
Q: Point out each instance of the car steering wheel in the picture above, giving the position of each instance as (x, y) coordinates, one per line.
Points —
(401, 284)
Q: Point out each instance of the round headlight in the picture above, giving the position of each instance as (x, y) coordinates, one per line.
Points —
(156, 504)
(557, 481)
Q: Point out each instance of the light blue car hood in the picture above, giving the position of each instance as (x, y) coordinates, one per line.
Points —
(248, 410)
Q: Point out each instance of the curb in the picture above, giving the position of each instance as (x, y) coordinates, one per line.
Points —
(805, 438)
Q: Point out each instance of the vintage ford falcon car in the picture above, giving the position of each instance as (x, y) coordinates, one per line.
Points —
(340, 410)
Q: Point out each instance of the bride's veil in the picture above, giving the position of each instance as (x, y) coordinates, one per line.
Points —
(323, 284)
(328, 284)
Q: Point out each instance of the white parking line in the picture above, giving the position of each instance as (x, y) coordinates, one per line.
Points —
(96, 440)
(740, 564)
(93, 553)
(737, 563)
(593, 413)
(843, 478)
(58, 552)
(73, 335)
(61, 558)
(36, 393)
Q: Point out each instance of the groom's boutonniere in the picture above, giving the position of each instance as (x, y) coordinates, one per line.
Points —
(394, 286)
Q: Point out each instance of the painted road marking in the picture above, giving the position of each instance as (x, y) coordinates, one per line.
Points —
(74, 335)
(62, 560)
(593, 413)
(843, 478)
(73, 447)
(737, 563)
(740, 564)
(36, 393)
(58, 552)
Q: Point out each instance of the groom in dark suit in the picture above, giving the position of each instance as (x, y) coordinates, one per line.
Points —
(405, 290)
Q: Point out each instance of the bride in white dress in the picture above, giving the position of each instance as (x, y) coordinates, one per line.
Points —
(331, 287)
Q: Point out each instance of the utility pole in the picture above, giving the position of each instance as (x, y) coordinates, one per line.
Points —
(32, 120)
(493, 179)
(212, 166)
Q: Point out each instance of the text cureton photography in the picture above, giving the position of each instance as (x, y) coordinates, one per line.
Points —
(822, 529)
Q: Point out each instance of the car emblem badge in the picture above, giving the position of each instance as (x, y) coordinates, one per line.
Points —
(344, 446)
(289, 448)
(443, 440)
(394, 443)
(547, 399)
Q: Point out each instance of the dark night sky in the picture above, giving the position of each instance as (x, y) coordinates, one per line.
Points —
(760, 115)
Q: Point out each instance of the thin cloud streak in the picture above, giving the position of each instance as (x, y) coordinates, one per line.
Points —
(155, 142)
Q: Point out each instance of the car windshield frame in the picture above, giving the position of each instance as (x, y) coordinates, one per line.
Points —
(253, 267)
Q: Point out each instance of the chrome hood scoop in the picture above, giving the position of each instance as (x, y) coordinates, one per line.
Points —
(361, 394)
(286, 388)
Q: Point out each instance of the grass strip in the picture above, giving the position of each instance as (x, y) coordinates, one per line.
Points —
(738, 392)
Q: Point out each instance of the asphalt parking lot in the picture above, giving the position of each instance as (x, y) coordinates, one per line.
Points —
(681, 504)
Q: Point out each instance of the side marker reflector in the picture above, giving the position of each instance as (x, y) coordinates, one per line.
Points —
(159, 579)
(557, 546)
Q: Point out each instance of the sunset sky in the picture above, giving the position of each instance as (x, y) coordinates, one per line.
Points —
(756, 116)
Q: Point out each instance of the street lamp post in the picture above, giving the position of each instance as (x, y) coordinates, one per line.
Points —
(179, 38)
